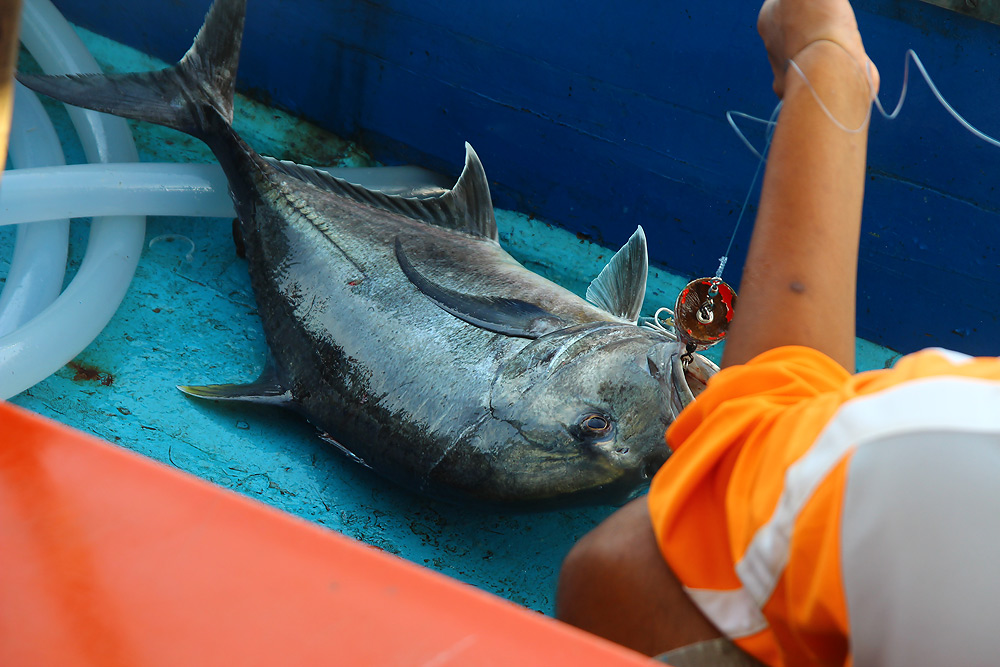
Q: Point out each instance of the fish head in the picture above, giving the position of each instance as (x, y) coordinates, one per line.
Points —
(579, 415)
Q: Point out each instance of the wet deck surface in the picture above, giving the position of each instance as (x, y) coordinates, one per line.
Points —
(190, 317)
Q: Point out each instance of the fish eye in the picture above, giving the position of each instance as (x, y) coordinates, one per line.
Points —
(595, 424)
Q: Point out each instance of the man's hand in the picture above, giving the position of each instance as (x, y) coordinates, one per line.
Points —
(789, 26)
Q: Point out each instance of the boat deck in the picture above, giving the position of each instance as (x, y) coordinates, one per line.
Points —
(189, 317)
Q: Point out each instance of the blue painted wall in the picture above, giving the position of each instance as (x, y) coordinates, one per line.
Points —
(601, 116)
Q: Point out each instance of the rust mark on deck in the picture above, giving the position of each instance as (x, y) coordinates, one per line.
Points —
(85, 373)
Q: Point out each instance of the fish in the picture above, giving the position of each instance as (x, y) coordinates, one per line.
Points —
(401, 329)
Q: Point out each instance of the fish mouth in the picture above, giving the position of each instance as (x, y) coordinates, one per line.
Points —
(650, 466)
(682, 376)
(646, 472)
(634, 458)
(635, 478)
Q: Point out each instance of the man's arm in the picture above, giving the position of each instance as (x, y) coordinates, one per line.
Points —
(799, 281)
(616, 584)
(798, 287)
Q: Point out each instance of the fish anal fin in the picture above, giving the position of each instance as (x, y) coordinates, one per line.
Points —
(621, 286)
(266, 389)
(249, 393)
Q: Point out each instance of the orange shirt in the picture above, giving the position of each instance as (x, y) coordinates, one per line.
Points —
(747, 510)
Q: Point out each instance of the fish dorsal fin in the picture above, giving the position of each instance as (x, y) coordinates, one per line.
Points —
(502, 315)
(466, 207)
(621, 287)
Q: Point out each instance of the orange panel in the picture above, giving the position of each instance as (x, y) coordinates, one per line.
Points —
(112, 559)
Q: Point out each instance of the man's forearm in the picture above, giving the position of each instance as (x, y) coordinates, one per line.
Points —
(799, 282)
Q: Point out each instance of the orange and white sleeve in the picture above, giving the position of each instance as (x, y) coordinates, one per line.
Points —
(806, 510)
(732, 446)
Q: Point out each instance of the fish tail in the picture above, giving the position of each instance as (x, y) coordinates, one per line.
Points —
(190, 96)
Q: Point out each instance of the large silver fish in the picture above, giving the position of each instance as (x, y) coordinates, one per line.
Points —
(403, 331)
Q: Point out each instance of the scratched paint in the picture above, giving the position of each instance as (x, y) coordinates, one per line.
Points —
(190, 317)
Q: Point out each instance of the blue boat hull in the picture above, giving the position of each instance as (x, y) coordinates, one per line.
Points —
(600, 117)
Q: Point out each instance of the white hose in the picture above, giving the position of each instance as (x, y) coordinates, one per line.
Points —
(151, 188)
(122, 194)
(38, 266)
(60, 332)
(139, 188)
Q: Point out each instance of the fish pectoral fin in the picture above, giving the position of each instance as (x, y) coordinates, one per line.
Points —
(511, 317)
(330, 440)
(621, 286)
(265, 389)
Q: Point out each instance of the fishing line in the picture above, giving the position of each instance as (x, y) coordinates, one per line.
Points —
(700, 318)
(705, 307)
(730, 115)
(761, 160)
(910, 55)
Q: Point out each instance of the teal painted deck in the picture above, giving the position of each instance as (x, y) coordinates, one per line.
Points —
(189, 317)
